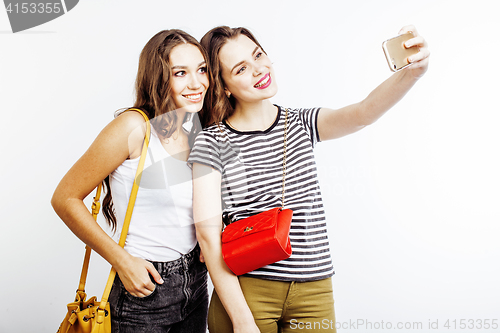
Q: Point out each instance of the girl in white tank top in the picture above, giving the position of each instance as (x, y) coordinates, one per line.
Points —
(161, 284)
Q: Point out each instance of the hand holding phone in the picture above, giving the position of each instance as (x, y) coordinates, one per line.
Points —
(396, 53)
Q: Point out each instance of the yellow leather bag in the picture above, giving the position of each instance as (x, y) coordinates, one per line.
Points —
(92, 316)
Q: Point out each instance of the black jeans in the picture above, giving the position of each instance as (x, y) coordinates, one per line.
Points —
(180, 304)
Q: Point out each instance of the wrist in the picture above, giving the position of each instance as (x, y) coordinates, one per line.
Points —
(242, 316)
(120, 259)
(409, 76)
(243, 321)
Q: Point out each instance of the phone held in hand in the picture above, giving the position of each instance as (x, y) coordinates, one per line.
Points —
(396, 53)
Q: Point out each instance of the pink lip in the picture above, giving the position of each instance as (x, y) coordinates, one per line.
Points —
(267, 84)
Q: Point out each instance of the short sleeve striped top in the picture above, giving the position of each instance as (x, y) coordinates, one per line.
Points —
(251, 167)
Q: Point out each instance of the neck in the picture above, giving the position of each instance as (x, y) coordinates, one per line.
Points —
(180, 118)
(178, 131)
(253, 116)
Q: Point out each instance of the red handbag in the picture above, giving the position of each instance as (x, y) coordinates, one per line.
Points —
(262, 239)
(257, 241)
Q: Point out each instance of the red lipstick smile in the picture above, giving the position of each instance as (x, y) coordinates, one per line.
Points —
(264, 82)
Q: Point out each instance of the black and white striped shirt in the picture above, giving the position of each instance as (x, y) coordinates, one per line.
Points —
(251, 165)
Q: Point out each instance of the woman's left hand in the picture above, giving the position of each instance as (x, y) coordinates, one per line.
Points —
(420, 61)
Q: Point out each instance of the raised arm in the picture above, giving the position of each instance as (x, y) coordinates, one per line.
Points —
(333, 124)
(208, 221)
(122, 138)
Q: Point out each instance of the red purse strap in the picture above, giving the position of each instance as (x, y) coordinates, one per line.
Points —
(284, 160)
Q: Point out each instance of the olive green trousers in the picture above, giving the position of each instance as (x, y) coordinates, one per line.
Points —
(281, 307)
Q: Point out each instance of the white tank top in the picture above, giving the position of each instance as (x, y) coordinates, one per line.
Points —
(162, 226)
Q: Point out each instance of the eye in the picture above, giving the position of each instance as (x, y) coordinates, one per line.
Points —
(202, 70)
(180, 73)
(258, 55)
(241, 70)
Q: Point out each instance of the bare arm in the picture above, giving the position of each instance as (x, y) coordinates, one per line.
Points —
(208, 221)
(122, 138)
(337, 123)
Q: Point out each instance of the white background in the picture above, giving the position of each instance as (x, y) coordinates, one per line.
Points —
(412, 201)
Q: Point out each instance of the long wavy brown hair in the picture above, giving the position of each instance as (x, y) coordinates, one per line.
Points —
(217, 105)
(154, 94)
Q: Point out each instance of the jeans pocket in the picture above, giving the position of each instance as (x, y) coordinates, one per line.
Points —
(143, 297)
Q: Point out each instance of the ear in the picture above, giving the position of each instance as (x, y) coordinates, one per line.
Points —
(228, 93)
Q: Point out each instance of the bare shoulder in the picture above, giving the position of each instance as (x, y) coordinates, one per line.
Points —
(125, 132)
(127, 124)
(129, 121)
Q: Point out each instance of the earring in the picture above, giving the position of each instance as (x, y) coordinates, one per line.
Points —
(228, 94)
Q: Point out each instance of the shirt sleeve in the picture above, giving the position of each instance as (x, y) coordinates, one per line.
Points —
(206, 151)
(309, 119)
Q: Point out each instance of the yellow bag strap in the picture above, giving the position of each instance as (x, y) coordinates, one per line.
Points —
(96, 206)
(128, 214)
(126, 223)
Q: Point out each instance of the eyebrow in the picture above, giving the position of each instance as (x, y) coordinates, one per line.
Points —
(241, 62)
(185, 67)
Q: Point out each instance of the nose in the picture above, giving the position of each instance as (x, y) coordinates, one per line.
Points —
(194, 83)
(259, 69)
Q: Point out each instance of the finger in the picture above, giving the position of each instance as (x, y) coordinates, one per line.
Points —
(408, 28)
(146, 289)
(143, 293)
(422, 55)
(416, 41)
(154, 273)
(138, 294)
(149, 289)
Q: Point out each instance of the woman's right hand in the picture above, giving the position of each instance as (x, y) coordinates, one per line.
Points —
(135, 276)
(247, 329)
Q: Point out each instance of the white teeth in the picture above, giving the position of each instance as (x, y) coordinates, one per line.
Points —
(263, 82)
(193, 97)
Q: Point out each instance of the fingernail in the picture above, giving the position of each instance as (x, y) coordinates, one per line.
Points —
(161, 281)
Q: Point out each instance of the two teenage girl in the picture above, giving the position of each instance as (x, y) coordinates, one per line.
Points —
(236, 172)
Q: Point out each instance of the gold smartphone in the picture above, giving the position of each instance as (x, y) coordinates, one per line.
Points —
(396, 53)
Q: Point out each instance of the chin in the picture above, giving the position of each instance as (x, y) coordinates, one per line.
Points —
(193, 108)
(272, 92)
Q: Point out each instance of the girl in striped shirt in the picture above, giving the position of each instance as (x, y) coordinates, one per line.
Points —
(237, 169)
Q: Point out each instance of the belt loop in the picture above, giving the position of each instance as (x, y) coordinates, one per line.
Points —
(184, 262)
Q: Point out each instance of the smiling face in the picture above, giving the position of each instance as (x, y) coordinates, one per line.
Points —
(189, 77)
(247, 71)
